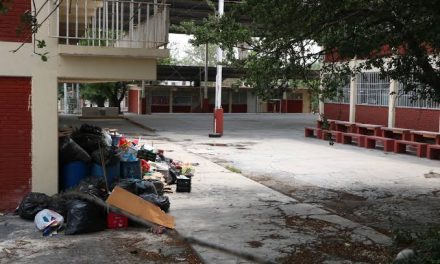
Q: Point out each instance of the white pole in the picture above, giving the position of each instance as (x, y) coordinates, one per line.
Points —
(218, 78)
(78, 101)
(65, 98)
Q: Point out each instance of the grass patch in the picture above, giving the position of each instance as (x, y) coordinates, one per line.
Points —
(233, 169)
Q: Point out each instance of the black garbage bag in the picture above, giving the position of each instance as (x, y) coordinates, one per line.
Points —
(89, 142)
(90, 129)
(31, 204)
(94, 186)
(172, 176)
(162, 201)
(145, 187)
(158, 185)
(59, 204)
(70, 151)
(84, 217)
(109, 153)
(137, 186)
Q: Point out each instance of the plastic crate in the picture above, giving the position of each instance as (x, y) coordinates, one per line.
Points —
(115, 221)
(183, 184)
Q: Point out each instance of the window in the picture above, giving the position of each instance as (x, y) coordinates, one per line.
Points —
(372, 90)
(182, 100)
(159, 100)
(239, 97)
(411, 100)
(342, 94)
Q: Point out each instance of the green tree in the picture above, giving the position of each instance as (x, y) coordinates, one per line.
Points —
(195, 56)
(191, 56)
(400, 38)
(99, 93)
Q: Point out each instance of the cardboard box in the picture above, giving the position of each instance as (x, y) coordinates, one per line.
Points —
(137, 206)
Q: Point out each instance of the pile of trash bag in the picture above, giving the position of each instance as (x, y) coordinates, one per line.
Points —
(86, 150)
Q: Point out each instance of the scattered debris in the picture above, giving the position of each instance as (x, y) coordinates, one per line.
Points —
(255, 244)
(432, 175)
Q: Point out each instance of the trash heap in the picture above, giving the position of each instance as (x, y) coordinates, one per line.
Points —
(110, 167)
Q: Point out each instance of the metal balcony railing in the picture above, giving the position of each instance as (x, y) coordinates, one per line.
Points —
(112, 23)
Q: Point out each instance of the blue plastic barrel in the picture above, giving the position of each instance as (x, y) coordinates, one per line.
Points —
(115, 140)
(131, 169)
(73, 173)
(112, 172)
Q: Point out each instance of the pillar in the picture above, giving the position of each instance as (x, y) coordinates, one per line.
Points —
(321, 102)
(205, 102)
(353, 99)
(78, 101)
(44, 108)
(283, 103)
(230, 100)
(65, 99)
(171, 100)
(394, 89)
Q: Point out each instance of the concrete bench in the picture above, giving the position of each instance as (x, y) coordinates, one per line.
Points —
(400, 147)
(313, 132)
(347, 138)
(337, 135)
(388, 143)
(433, 152)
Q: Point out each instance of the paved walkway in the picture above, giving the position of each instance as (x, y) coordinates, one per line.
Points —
(231, 210)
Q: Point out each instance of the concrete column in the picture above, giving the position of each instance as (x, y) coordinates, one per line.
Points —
(353, 99)
(394, 89)
(65, 99)
(44, 108)
(230, 100)
(321, 102)
(78, 103)
(171, 100)
(283, 103)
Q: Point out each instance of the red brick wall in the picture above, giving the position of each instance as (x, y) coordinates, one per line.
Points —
(337, 111)
(10, 22)
(15, 141)
(420, 119)
(376, 115)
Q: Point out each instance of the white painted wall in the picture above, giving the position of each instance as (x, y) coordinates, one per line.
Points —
(15, 64)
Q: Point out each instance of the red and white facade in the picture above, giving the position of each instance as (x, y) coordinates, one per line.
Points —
(367, 98)
(80, 48)
(15, 120)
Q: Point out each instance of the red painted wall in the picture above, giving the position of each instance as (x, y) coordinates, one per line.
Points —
(15, 141)
(181, 109)
(337, 111)
(292, 106)
(10, 22)
(419, 119)
(133, 101)
(239, 108)
(160, 108)
(367, 114)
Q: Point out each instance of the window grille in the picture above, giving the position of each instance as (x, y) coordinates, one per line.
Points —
(372, 89)
(342, 94)
(411, 100)
(182, 100)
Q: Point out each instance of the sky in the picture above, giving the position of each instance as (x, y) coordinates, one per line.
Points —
(178, 44)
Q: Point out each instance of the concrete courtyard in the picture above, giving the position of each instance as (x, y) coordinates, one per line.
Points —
(382, 190)
(265, 190)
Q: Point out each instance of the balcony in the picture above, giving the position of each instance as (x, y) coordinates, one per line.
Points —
(110, 23)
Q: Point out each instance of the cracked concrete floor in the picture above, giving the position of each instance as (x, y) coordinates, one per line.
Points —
(384, 191)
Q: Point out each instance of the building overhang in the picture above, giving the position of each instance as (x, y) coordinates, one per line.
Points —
(93, 51)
